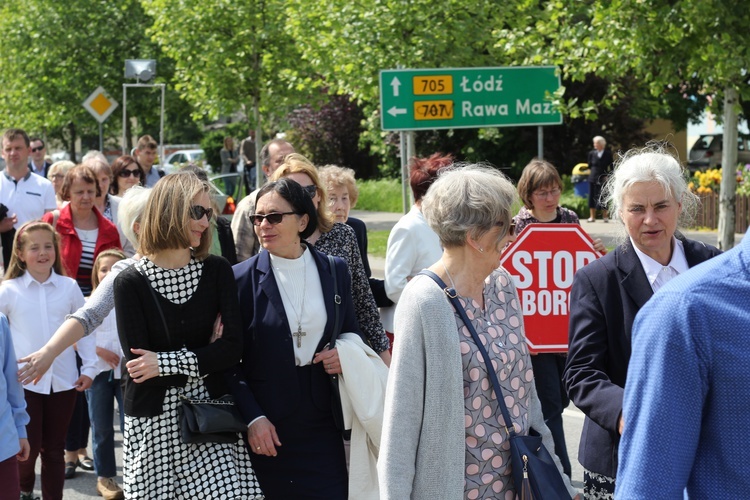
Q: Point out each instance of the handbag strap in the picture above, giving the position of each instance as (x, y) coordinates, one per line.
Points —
(453, 297)
(158, 306)
(336, 304)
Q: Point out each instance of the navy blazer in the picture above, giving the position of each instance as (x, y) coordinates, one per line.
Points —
(265, 383)
(606, 296)
(599, 167)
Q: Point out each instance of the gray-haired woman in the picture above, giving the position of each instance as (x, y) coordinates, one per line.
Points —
(649, 193)
(443, 433)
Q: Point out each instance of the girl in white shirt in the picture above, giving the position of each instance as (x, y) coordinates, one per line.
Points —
(106, 387)
(35, 297)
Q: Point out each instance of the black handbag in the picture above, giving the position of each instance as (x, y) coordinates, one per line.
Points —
(204, 420)
(209, 420)
(336, 410)
(535, 475)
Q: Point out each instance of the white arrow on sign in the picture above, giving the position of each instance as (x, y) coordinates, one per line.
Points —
(394, 111)
(395, 83)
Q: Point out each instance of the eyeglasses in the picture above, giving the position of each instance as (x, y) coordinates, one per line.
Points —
(272, 218)
(38, 148)
(543, 195)
(125, 173)
(197, 212)
(312, 190)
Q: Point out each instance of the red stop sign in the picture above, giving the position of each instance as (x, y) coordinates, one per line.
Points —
(543, 260)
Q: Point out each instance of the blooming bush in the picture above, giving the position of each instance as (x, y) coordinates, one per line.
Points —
(710, 181)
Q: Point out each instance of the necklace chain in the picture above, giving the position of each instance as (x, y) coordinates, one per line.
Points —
(299, 333)
(450, 278)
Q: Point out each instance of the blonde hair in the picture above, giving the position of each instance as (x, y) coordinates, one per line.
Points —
(112, 252)
(296, 163)
(165, 224)
(334, 176)
(17, 267)
(60, 167)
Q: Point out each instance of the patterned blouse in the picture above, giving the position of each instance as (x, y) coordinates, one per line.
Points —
(342, 242)
(488, 472)
(524, 218)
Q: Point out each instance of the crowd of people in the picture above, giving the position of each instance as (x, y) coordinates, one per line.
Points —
(124, 290)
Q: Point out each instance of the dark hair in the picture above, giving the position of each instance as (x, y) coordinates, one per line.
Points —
(35, 138)
(424, 171)
(195, 169)
(537, 174)
(13, 133)
(120, 164)
(300, 201)
(86, 174)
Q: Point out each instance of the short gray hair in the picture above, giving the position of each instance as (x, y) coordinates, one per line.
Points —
(130, 211)
(467, 200)
(601, 140)
(652, 163)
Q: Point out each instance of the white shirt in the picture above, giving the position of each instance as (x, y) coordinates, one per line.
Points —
(657, 274)
(29, 198)
(412, 246)
(35, 311)
(106, 337)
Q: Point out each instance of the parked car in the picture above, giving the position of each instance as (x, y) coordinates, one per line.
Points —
(706, 152)
(226, 191)
(180, 158)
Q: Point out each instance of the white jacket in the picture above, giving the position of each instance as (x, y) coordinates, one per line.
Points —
(362, 388)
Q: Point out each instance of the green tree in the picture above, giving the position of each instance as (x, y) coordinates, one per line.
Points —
(56, 53)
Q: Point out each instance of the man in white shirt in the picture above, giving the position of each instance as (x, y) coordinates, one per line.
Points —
(146, 156)
(38, 163)
(24, 195)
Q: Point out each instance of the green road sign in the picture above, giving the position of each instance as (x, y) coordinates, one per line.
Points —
(415, 99)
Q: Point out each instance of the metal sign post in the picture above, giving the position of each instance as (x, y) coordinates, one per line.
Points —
(100, 105)
(125, 86)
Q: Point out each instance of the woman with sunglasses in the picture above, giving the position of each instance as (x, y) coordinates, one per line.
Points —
(287, 298)
(338, 239)
(127, 172)
(166, 307)
(539, 188)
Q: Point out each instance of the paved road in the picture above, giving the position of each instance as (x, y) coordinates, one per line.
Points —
(83, 486)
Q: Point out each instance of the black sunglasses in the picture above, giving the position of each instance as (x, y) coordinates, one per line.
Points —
(272, 218)
(312, 190)
(127, 173)
(197, 212)
(38, 148)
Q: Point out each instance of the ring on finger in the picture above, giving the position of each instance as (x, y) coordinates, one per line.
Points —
(257, 447)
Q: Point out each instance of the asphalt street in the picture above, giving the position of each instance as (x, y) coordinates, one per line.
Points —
(83, 486)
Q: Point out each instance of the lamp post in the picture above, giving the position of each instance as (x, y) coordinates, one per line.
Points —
(142, 70)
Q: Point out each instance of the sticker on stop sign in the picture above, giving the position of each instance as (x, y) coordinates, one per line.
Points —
(543, 261)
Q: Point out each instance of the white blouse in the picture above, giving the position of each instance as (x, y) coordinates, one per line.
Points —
(35, 311)
(299, 286)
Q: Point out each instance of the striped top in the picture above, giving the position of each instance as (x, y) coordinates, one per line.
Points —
(88, 242)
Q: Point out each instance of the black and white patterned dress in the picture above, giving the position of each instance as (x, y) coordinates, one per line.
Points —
(157, 464)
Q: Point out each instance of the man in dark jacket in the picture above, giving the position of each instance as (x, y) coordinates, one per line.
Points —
(600, 165)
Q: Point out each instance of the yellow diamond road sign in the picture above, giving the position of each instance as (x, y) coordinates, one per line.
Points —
(100, 104)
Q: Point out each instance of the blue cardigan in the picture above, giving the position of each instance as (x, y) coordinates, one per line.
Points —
(13, 416)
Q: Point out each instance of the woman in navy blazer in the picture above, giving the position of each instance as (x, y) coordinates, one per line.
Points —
(282, 386)
(649, 193)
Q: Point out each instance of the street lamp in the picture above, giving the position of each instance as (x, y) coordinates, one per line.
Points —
(142, 70)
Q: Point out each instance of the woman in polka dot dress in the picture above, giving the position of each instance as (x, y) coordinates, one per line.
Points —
(192, 289)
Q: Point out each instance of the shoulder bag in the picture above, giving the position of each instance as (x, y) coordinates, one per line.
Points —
(203, 420)
(535, 474)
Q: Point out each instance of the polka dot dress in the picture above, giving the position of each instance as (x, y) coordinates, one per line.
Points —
(157, 464)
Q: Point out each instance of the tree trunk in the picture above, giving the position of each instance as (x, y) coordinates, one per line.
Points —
(728, 171)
